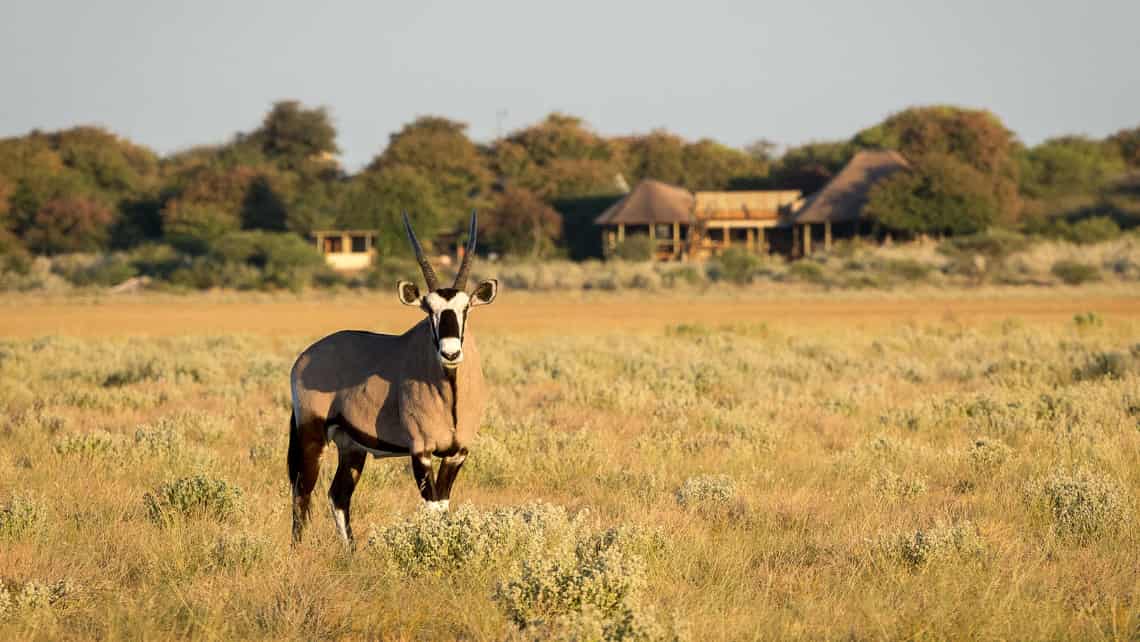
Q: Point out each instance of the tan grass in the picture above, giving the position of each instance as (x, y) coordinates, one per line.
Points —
(893, 468)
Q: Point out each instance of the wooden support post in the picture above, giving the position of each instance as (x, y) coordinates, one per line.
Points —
(827, 236)
(796, 240)
(751, 239)
(621, 232)
(807, 239)
(763, 240)
(676, 239)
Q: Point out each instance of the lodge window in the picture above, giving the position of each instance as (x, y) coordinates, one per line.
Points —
(738, 234)
(359, 244)
(334, 245)
(716, 234)
(663, 231)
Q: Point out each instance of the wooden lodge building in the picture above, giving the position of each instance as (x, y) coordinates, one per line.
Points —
(346, 250)
(684, 225)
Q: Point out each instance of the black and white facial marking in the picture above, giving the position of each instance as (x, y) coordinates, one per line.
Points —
(447, 308)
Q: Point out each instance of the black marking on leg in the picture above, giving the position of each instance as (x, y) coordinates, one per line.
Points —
(421, 470)
(448, 471)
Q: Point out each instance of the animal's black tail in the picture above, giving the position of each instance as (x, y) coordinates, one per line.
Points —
(294, 450)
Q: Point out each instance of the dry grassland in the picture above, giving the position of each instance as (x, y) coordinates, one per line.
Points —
(933, 465)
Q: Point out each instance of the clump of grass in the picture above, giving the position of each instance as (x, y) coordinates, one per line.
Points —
(1075, 272)
(1088, 320)
(597, 574)
(941, 542)
(706, 491)
(1081, 504)
(89, 445)
(198, 495)
(20, 516)
(158, 440)
(490, 462)
(1109, 365)
(239, 551)
(987, 454)
(17, 598)
(635, 624)
(891, 484)
(428, 541)
(137, 371)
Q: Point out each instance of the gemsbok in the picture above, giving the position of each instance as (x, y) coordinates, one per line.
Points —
(420, 393)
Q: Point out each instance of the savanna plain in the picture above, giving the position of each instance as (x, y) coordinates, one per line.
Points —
(802, 465)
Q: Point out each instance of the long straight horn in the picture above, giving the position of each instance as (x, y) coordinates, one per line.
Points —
(465, 266)
(425, 265)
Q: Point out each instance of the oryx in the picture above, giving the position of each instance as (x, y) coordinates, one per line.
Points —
(420, 393)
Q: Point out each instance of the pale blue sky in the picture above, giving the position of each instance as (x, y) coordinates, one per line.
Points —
(174, 74)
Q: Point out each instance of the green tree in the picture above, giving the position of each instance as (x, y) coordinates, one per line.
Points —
(938, 195)
(810, 166)
(69, 224)
(1127, 141)
(520, 223)
(1069, 165)
(376, 201)
(295, 134)
(658, 155)
(194, 226)
(710, 165)
(440, 151)
(974, 137)
(558, 158)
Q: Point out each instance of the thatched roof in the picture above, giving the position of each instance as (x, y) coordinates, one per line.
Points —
(650, 202)
(844, 196)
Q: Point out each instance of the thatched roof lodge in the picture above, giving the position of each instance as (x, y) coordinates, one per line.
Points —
(685, 224)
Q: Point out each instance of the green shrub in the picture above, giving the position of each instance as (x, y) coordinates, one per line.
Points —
(891, 484)
(806, 271)
(1075, 272)
(21, 515)
(103, 270)
(89, 444)
(239, 551)
(598, 573)
(1109, 365)
(734, 265)
(16, 597)
(988, 454)
(906, 269)
(429, 541)
(1082, 504)
(1088, 320)
(199, 495)
(706, 491)
(638, 247)
(922, 547)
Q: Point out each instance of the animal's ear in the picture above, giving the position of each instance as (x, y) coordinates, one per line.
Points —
(485, 292)
(408, 292)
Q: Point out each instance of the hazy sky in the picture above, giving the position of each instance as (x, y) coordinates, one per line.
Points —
(174, 74)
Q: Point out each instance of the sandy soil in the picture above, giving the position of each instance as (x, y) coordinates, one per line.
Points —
(526, 313)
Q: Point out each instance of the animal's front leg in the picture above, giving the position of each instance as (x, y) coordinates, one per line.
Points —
(425, 481)
(448, 471)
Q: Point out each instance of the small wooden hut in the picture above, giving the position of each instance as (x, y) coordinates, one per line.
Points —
(346, 250)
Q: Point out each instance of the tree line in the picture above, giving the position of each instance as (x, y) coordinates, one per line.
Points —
(253, 199)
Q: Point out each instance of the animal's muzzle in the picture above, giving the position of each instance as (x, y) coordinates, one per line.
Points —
(450, 351)
(450, 343)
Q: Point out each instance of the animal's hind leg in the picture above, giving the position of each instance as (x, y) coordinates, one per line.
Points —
(305, 446)
(349, 467)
